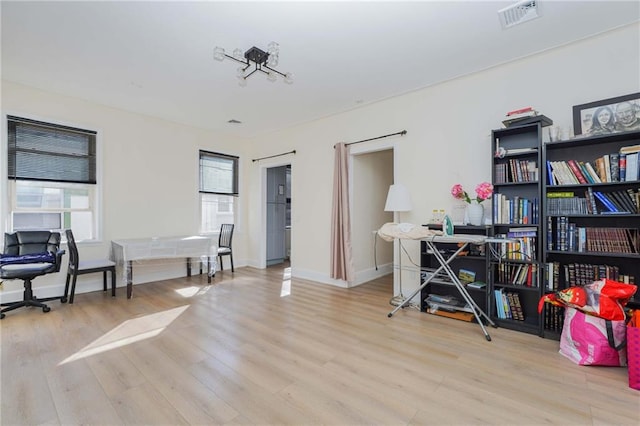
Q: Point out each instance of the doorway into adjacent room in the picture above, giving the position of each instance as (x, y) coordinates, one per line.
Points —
(372, 174)
(278, 215)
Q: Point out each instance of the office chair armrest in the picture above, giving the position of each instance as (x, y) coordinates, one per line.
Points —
(59, 255)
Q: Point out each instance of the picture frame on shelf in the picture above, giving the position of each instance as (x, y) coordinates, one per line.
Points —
(618, 114)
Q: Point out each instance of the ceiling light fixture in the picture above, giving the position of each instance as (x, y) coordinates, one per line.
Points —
(254, 60)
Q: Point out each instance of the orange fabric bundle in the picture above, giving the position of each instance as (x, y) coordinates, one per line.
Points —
(603, 298)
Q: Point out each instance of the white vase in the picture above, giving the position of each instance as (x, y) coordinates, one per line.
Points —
(475, 214)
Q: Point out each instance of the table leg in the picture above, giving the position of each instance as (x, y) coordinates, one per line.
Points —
(129, 279)
(188, 266)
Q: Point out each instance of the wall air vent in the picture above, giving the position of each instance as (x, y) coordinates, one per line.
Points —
(518, 13)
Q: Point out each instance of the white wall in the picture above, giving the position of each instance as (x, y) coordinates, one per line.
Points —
(149, 176)
(447, 142)
(448, 139)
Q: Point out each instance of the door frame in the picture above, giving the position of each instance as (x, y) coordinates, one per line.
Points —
(367, 148)
(262, 255)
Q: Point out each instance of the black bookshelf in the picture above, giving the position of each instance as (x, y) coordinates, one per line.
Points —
(608, 242)
(514, 268)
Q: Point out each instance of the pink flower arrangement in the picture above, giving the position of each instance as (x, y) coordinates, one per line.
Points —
(484, 191)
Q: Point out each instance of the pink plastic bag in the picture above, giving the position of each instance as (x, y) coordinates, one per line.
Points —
(633, 354)
(589, 340)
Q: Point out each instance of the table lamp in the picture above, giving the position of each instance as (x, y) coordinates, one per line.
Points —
(398, 200)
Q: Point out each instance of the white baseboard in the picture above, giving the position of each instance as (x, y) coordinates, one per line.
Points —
(371, 274)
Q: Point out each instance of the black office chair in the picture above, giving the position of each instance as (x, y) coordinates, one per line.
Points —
(224, 243)
(27, 255)
(81, 267)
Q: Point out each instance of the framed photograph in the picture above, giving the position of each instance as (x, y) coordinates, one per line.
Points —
(619, 114)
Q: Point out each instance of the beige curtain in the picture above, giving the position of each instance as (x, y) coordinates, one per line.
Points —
(341, 258)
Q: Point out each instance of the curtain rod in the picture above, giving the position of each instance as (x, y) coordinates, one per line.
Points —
(402, 133)
(272, 156)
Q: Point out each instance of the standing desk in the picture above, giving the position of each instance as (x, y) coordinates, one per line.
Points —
(463, 240)
(124, 252)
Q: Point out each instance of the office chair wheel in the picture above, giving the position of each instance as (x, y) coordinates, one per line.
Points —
(63, 300)
(46, 309)
(1, 316)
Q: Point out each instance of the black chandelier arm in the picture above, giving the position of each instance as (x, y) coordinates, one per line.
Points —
(237, 60)
(271, 69)
(252, 72)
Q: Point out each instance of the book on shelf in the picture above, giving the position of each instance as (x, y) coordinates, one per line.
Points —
(477, 285)
(592, 172)
(635, 198)
(563, 194)
(577, 172)
(629, 149)
(631, 173)
(525, 110)
(600, 168)
(585, 172)
(466, 276)
(614, 166)
(591, 201)
(607, 167)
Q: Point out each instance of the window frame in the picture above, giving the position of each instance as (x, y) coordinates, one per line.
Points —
(203, 194)
(235, 159)
(94, 189)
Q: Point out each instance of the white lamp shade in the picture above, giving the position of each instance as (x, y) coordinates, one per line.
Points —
(398, 199)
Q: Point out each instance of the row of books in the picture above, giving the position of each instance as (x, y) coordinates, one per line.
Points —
(521, 274)
(628, 163)
(553, 319)
(563, 235)
(516, 210)
(580, 274)
(622, 166)
(567, 206)
(621, 201)
(594, 202)
(522, 248)
(571, 172)
(516, 171)
(508, 305)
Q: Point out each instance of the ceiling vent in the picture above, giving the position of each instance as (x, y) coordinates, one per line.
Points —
(234, 121)
(518, 13)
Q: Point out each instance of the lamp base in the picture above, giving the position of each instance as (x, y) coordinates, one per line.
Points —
(401, 300)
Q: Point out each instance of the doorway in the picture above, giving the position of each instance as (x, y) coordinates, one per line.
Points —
(372, 173)
(278, 214)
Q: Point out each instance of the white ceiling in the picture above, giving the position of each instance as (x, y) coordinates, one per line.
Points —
(156, 58)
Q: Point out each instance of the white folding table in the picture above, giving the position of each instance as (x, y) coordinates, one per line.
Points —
(125, 251)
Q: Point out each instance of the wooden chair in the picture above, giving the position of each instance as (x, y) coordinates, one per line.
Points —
(224, 243)
(78, 267)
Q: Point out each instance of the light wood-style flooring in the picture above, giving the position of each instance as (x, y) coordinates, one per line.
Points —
(243, 351)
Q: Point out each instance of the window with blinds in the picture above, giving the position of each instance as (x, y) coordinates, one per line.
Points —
(43, 151)
(218, 189)
(52, 177)
(218, 173)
